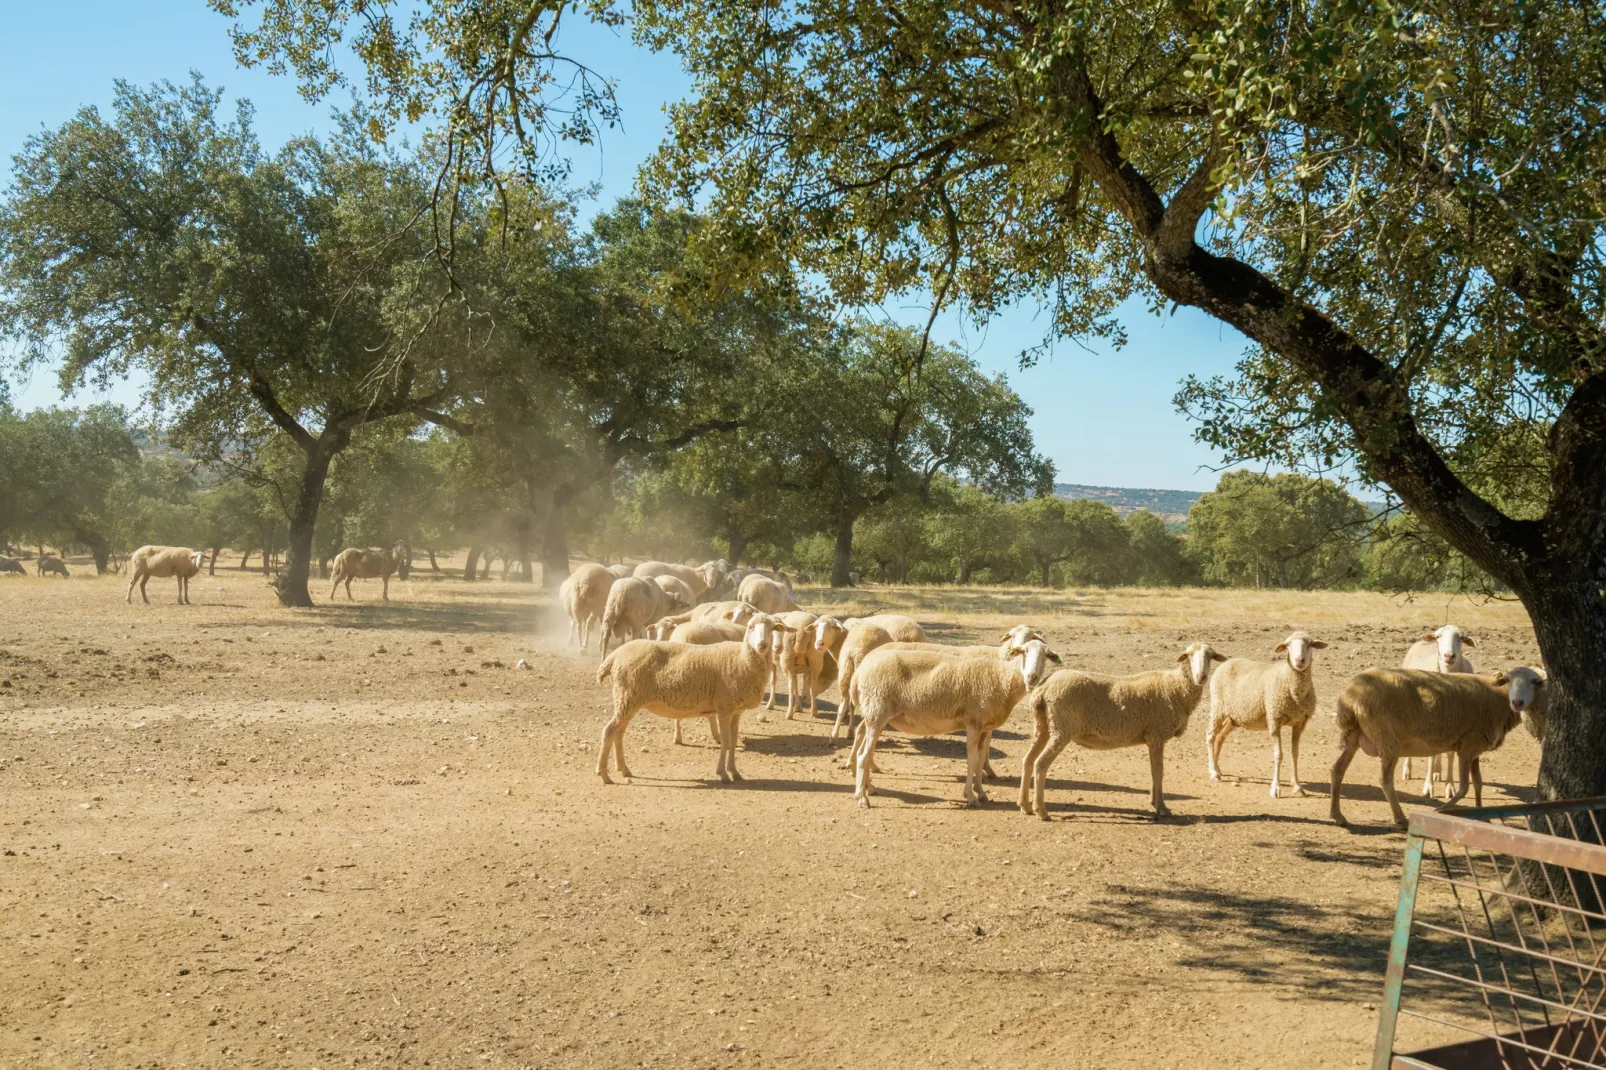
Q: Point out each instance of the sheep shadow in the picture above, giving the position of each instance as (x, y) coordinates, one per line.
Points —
(457, 617)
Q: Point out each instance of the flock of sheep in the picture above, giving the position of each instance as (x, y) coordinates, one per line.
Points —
(689, 649)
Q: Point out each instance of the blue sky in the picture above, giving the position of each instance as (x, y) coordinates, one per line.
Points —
(1104, 416)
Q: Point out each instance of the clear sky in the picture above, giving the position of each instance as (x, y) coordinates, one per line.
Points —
(1103, 416)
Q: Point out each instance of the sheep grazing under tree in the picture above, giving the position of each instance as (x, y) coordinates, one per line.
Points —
(1266, 696)
(53, 566)
(650, 570)
(585, 595)
(1439, 651)
(370, 563)
(927, 694)
(1392, 713)
(8, 565)
(1106, 712)
(161, 562)
(766, 596)
(676, 680)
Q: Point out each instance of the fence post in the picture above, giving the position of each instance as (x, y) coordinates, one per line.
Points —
(1394, 978)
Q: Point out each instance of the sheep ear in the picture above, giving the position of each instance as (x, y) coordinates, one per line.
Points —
(1217, 656)
(1539, 681)
(1500, 679)
(1466, 640)
(1055, 658)
(1429, 637)
(1182, 657)
(1280, 648)
(1004, 638)
(1317, 644)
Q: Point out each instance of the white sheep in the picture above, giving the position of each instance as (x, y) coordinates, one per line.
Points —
(927, 694)
(632, 605)
(1266, 696)
(864, 634)
(797, 659)
(648, 570)
(697, 633)
(902, 629)
(1395, 712)
(765, 595)
(368, 563)
(622, 572)
(678, 680)
(1102, 712)
(585, 597)
(678, 589)
(161, 562)
(1439, 651)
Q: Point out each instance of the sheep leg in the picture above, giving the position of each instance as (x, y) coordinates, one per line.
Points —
(1056, 744)
(1406, 776)
(1039, 741)
(608, 732)
(1427, 781)
(987, 770)
(1451, 762)
(791, 693)
(775, 671)
(1389, 761)
(143, 580)
(1294, 732)
(128, 599)
(729, 732)
(974, 796)
(1348, 745)
(1276, 758)
(349, 596)
(1461, 787)
(865, 757)
(385, 590)
(619, 747)
(1156, 778)
(333, 587)
(1476, 766)
(679, 742)
(1217, 734)
(713, 727)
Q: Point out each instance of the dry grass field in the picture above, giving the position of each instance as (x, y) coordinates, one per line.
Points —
(236, 835)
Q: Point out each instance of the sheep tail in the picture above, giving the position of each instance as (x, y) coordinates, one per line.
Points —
(605, 670)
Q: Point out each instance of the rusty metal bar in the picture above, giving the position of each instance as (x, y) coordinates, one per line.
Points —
(1499, 1039)
(1574, 964)
(1523, 809)
(1399, 944)
(1502, 839)
(1571, 1011)
(1546, 903)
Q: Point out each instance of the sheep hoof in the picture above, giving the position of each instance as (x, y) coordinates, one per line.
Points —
(864, 803)
(1161, 812)
(1273, 791)
(627, 774)
(605, 778)
(1043, 813)
(1340, 820)
(1301, 793)
(735, 776)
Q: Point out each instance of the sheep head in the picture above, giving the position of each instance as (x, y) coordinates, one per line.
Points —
(763, 631)
(1021, 634)
(1450, 639)
(1200, 658)
(1036, 658)
(1526, 690)
(198, 558)
(1297, 648)
(827, 632)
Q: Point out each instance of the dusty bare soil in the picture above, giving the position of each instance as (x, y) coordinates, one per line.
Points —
(237, 835)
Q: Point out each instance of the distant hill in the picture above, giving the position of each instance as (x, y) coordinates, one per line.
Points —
(1169, 505)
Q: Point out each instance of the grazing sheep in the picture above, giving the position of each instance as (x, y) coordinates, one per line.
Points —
(1106, 712)
(1395, 712)
(622, 572)
(162, 562)
(585, 597)
(359, 563)
(54, 566)
(649, 570)
(927, 694)
(632, 605)
(677, 680)
(8, 565)
(902, 629)
(1439, 651)
(1264, 695)
(735, 577)
(765, 595)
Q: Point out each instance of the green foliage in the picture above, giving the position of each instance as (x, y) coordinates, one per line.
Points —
(1278, 531)
(1159, 555)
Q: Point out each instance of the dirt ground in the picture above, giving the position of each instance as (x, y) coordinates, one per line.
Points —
(239, 835)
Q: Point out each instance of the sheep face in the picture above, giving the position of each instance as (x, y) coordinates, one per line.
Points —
(1021, 634)
(1200, 659)
(1037, 661)
(1525, 690)
(763, 634)
(1450, 639)
(197, 558)
(741, 614)
(1297, 647)
(826, 630)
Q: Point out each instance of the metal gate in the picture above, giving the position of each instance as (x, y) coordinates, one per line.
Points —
(1498, 958)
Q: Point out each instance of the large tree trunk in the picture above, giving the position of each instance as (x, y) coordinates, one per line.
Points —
(555, 542)
(101, 553)
(1570, 624)
(471, 566)
(291, 585)
(962, 574)
(245, 559)
(1046, 566)
(211, 566)
(842, 555)
(738, 545)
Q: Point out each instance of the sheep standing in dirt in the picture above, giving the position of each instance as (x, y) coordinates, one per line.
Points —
(161, 562)
(8, 565)
(1107, 712)
(370, 563)
(1265, 696)
(795, 659)
(927, 694)
(632, 605)
(585, 596)
(1439, 651)
(864, 634)
(765, 595)
(678, 589)
(1395, 712)
(675, 680)
(53, 566)
(699, 633)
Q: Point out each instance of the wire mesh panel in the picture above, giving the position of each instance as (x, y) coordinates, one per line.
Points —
(1498, 958)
